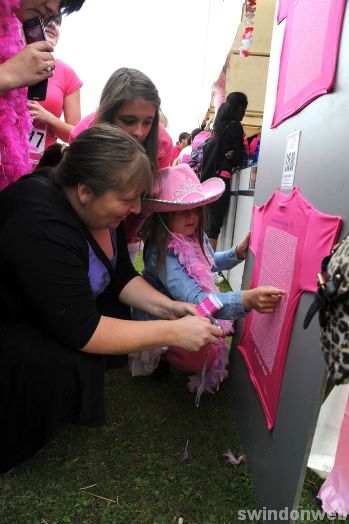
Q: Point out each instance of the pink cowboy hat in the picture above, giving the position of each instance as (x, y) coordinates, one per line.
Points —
(181, 189)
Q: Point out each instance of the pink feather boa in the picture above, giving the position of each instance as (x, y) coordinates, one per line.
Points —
(15, 120)
(198, 266)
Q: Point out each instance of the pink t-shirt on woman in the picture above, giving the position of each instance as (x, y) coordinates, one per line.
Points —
(63, 83)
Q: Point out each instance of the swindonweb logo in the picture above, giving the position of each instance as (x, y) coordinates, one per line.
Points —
(304, 515)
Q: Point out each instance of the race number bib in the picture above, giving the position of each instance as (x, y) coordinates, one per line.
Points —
(37, 139)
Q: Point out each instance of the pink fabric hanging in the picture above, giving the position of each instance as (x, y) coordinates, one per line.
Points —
(334, 493)
(284, 6)
(309, 53)
(289, 239)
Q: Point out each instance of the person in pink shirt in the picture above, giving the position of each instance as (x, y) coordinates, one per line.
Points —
(181, 144)
(131, 101)
(63, 96)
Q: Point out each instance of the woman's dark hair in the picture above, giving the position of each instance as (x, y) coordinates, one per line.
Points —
(183, 136)
(51, 156)
(231, 109)
(123, 86)
(104, 158)
(69, 6)
(155, 233)
(194, 132)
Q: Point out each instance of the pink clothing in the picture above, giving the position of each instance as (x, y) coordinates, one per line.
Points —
(200, 138)
(175, 152)
(84, 123)
(284, 6)
(165, 146)
(289, 239)
(309, 53)
(63, 83)
(210, 362)
(334, 493)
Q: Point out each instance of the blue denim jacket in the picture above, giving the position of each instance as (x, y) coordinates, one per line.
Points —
(178, 285)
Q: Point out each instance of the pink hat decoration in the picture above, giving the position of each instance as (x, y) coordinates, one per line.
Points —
(181, 189)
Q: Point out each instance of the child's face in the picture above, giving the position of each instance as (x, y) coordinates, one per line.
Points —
(185, 222)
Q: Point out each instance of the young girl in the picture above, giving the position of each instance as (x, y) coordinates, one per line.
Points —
(179, 261)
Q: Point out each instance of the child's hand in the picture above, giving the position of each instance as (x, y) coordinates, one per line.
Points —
(242, 247)
(263, 299)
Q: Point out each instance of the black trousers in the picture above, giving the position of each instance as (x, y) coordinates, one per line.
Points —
(217, 211)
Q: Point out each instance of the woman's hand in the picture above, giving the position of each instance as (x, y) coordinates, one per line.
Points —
(139, 294)
(180, 309)
(192, 333)
(39, 114)
(32, 64)
(263, 299)
(242, 247)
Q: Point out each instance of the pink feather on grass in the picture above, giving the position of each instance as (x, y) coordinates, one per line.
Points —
(185, 456)
(229, 455)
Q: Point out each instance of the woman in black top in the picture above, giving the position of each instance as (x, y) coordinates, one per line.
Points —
(228, 131)
(66, 287)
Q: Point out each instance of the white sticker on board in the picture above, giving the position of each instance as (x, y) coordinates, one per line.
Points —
(290, 160)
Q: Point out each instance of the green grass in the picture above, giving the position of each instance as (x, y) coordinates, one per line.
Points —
(134, 463)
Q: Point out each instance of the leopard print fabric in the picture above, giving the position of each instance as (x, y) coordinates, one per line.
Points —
(335, 335)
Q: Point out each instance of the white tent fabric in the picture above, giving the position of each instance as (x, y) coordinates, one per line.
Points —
(326, 436)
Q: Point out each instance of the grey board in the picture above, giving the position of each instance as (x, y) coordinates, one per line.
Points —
(277, 459)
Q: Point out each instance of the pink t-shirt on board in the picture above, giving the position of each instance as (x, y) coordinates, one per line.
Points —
(289, 240)
(309, 53)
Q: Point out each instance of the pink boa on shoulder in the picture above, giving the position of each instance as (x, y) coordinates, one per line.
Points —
(15, 120)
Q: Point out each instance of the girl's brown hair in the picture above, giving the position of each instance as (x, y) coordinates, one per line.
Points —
(156, 235)
(124, 85)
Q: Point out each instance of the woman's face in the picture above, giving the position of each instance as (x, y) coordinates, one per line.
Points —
(185, 222)
(136, 118)
(109, 209)
(52, 30)
(33, 8)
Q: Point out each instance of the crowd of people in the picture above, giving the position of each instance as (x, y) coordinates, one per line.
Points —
(71, 303)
